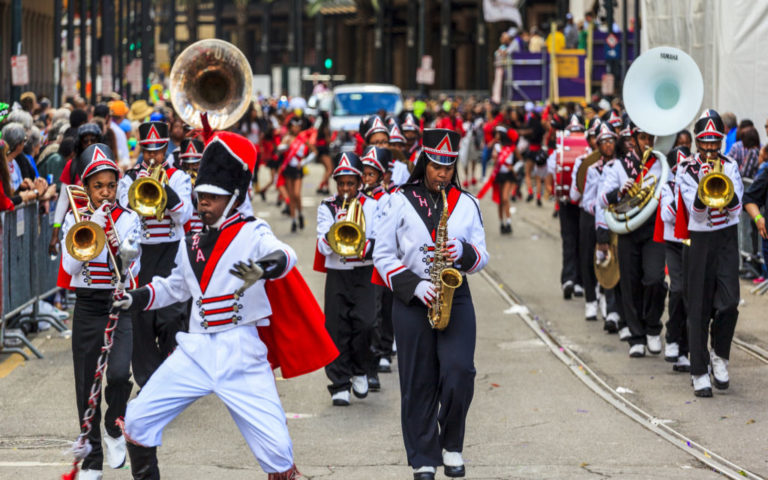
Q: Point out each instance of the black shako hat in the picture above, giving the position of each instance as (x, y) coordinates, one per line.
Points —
(371, 125)
(226, 166)
(96, 158)
(377, 157)
(347, 163)
(709, 127)
(441, 145)
(191, 150)
(153, 135)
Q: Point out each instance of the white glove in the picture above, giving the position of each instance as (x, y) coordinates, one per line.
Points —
(627, 185)
(123, 302)
(99, 217)
(425, 292)
(455, 249)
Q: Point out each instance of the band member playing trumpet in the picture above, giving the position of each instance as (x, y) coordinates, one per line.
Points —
(430, 218)
(711, 188)
(376, 162)
(228, 271)
(676, 338)
(161, 230)
(93, 277)
(345, 247)
(641, 260)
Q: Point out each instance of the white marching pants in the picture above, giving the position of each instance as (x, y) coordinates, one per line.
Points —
(233, 365)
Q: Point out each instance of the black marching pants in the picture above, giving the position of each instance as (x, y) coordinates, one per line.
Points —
(677, 331)
(569, 232)
(587, 242)
(437, 377)
(383, 333)
(712, 294)
(89, 321)
(154, 332)
(350, 318)
(643, 291)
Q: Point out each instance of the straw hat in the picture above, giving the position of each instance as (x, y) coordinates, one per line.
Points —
(140, 110)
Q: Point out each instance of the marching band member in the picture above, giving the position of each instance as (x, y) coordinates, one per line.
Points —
(154, 332)
(504, 174)
(93, 282)
(641, 260)
(606, 143)
(676, 338)
(586, 240)
(224, 352)
(713, 259)
(375, 161)
(412, 133)
(190, 152)
(436, 367)
(350, 297)
(399, 167)
(299, 150)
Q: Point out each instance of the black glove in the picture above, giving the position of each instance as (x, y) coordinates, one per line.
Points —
(273, 264)
(173, 198)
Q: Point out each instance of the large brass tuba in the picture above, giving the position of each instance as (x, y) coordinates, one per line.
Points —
(85, 240)
(347, 236)
(715, 188)
(211, 76)
(445, 278)
(662, 92)
(147, 194)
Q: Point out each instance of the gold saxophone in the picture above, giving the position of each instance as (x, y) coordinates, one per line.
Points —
(444, 277)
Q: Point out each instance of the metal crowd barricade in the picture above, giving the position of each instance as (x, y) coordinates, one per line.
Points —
(28, 273)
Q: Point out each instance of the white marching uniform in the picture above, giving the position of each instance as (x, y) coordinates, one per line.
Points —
(616, 173)
(171, 227)
(99, 273)
(222, 353)
(668, 206)
(406, 245)
(704, 219)
(400, 173)
(329, 213)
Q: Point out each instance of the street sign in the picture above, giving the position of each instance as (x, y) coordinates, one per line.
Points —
(425, 74)
(19, 71)
(611, 47)
(106, 75)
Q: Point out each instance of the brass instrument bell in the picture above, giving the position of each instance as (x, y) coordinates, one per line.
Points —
(85, 240)
(147, 195)
(715, 188)
(347, 236)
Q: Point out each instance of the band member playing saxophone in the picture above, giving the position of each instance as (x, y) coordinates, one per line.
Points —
(430, 228)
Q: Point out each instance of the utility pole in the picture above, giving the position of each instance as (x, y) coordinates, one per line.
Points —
(147, 45)
(15, 42)
(83, 50)
(422, 87)
(57, 14)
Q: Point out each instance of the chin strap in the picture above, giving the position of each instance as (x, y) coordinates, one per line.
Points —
(225, 214)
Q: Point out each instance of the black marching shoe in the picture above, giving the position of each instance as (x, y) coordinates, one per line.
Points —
(424, 473)
(293, 226)
(374, 385)
(143, 462)
(568, 290)
(453, 464)
(301, 222)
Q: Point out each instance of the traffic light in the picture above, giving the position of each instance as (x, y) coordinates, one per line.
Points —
(328, 63)
(132, 46)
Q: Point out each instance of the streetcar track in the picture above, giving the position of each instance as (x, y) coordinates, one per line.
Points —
(599, 386)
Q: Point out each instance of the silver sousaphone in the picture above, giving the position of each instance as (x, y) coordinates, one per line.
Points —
(662, 93)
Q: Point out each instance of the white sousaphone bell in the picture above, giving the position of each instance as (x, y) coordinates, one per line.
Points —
(662, 93)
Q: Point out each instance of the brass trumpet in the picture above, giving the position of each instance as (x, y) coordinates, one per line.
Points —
(347, 236)
(147, 194)
(715, 188)
(85, 240)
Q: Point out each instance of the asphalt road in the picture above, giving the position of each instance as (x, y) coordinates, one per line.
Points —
(531, 416)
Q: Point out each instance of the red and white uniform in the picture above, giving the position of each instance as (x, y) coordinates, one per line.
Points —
(327, 214)
(707, 219)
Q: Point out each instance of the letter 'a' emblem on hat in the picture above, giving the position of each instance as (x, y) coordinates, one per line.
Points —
(344, 162)
(98, 155)
(377, 123)
(680, 156)
(152, 135)
(444, 147)
(191, 149)
(710, 128)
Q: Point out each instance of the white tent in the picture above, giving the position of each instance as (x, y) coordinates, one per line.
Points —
(726, 38)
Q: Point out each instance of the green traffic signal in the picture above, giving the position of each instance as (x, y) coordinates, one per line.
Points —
(328, 63)
(132, 46)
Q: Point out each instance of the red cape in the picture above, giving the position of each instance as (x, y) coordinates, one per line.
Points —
(296, 338)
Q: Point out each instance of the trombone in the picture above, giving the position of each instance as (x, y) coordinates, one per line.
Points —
(347, 236)
(147, 194)
(86, 240)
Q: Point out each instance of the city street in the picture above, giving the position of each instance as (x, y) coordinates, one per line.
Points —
(532, 416)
